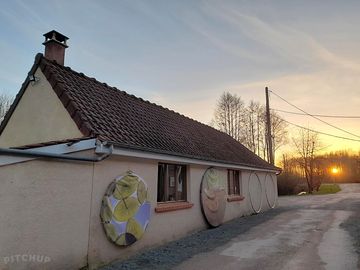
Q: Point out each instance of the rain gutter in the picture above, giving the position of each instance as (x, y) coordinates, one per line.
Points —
(41, 154)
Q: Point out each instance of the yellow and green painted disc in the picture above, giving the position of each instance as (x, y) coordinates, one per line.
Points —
(125, 210)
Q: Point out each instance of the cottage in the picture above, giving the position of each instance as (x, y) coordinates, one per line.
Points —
(91, 174)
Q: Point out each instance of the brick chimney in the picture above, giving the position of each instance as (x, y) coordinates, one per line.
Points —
(55, 45)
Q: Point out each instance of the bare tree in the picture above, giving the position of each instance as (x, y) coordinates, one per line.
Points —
(247, 124)
(254, 127)
(307, 144)
(5, 103)
(229, 115)
(279, 131)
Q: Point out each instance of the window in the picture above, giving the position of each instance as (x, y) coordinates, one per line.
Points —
(233, 182)
(171, 182)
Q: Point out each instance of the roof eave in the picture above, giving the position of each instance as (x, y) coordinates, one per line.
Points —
(195, 158)
(69, 105)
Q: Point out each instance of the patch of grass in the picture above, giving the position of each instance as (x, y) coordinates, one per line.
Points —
(327, 189)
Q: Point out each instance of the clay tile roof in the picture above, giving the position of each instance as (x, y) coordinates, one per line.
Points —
(113, 115)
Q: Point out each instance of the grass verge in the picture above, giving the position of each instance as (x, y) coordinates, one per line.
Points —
(327, 189)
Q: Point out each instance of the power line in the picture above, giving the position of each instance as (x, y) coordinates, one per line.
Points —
(343, 130)
(320, 115)
(322, 148)
(320, 132)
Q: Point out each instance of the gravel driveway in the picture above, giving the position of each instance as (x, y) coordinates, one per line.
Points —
(308, 232)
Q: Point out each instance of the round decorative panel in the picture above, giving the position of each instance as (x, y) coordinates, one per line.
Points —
(125, 211)
(270, 190)
(255, 192)
(212, 195)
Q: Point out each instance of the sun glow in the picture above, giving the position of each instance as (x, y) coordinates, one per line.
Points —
(334, 170)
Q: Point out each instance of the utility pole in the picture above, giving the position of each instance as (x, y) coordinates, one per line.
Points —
(268, 128)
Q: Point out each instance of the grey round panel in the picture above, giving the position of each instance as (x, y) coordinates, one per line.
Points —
(270, 190)
(255, 192)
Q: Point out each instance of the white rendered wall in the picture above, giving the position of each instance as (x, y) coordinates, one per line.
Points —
(45, 211)
(39, 117)
(52, 208)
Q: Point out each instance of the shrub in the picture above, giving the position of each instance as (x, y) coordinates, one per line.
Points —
(290, 184)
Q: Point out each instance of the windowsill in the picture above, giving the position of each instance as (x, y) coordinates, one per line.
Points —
(235, 198)
(172, 206)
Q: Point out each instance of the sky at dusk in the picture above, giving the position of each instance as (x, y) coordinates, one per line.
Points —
(184, 54)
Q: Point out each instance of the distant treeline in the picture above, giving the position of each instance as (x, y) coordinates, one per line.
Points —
(341, 167)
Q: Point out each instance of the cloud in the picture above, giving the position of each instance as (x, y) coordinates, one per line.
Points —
(323, 92)
(183, 55)
(288, 42)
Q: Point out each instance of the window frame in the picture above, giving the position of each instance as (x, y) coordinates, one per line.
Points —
(168, 188)
(234, 182)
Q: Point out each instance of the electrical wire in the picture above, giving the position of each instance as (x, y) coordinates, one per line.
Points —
(343, 130)
(320, 115)
(322, 133)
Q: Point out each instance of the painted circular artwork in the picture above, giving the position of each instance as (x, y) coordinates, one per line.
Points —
(212, 195)
(255, 192)
(125, 211)
(270, 190)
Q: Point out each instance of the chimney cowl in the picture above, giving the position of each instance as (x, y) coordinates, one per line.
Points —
(55, 45)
